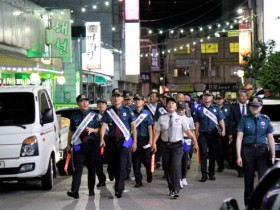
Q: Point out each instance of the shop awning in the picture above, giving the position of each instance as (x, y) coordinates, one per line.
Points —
(102, 80)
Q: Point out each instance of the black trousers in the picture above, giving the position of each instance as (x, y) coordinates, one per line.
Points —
(117, 161)
(184, 168)
(99, 164)
(141, 156)
(87, 152)
(253, 158)
(208, 145)
(172, 157)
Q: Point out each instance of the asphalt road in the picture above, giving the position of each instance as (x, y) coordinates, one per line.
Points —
(196, 196)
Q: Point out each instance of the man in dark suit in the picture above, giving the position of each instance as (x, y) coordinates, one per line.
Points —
(237, 112)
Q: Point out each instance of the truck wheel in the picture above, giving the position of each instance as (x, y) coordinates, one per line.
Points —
(47, 179)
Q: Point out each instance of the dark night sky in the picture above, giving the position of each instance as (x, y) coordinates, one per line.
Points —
(167, 14)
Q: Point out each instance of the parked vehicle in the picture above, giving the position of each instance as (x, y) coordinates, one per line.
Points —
(265, 196)
(30, 139)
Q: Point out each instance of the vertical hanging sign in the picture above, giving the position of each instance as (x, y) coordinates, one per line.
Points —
(93, 45)
(131, 10)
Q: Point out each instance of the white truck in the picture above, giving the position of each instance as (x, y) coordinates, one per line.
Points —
(30, 142)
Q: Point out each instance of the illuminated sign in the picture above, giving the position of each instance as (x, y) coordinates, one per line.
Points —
(93, 45)
(131, 10)
(154, 60)
(60, 35)
(132, 48)
(245, 47)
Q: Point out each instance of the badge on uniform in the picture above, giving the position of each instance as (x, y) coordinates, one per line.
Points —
(214, 110)
(124, 114)
(263, 123)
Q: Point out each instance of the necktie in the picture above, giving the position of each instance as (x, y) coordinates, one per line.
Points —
(256, 130)
(243, 110)
(117, 130)
(170, 128)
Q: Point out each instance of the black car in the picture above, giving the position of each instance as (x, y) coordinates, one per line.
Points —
(265, 196)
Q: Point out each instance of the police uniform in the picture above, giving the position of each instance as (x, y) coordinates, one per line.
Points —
(172, 146)
(142, 155)
(85, 151)
(208, 138)
(254, 151)
(117, 153)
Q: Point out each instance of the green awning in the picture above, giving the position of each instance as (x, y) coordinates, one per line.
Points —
(102, 79)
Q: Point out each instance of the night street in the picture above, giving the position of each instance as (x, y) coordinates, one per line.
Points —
(196, 195)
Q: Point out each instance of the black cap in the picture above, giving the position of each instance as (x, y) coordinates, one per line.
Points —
(138, 97)
(219, 97)
(116, 91)
(102, 100)
(255, 101)
(127, 94)
(170, 99)
(166, 95)
(81, 97)
(207, 92)
(181, 105)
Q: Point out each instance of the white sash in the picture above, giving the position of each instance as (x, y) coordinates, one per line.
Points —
(151, 108)
(119, 123)
(140, 119)
(81, 127)
(162, 110)
(210, 115)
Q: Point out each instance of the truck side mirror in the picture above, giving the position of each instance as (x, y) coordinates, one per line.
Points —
(47, 116)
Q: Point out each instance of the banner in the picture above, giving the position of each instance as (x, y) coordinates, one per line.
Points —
(154, 60)
(245, 45)
(93, 45)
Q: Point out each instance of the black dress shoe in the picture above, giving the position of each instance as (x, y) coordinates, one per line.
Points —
(203, 178)
(212, 177)
(137, 185)
(73, 194)
(101, 184)
(176, 194)
(91, 193)
(111, 177)
(150, 178)
(118, 194)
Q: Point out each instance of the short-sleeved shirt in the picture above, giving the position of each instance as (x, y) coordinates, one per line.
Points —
(142, 129)
(205, 123)
(76, 119)
(179, 124)
(191, 125)
(247, 127)
(126, 115)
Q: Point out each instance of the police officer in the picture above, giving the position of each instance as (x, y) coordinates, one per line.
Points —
(170, 127)
(144, 123)
(208, 120)
(251, 144)
(102, 106)
(120, 120)
(224, 141)
(84, 145)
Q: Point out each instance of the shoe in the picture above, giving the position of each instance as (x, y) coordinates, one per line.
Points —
(101, 184)
(73, 194)
(171, 194)
(111, 177)
(203, 178)
(118, 194)
(137, 185)
(91, 193)
(149, 178)
(176, 194)
(181, 184)
(212, 177)
(158, 165)
(185, 181)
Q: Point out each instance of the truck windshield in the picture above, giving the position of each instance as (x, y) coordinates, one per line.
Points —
(16, 109)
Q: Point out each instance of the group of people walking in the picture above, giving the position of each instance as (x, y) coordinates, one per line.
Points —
(133, 129)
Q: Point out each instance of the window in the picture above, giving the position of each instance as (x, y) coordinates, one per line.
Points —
(209, 48)
(182, 72)
(234, 47)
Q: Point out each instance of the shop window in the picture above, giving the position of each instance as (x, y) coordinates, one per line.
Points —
(234, 47)
(209, 48)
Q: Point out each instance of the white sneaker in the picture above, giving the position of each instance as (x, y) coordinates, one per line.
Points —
(184, 182)
(181, 184)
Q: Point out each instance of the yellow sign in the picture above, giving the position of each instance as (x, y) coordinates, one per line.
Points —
(185, 87)
(209, 48)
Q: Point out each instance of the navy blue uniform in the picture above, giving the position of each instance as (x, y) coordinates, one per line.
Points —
(208, 137)
(142, 155)
(86, 152)
(254, 152)
(117, 153)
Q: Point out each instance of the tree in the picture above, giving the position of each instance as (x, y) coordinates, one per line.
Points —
(269, 74)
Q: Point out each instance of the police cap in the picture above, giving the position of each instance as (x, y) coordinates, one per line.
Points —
(138, 97)
(116, 91)
(255, 101)
(81, 97)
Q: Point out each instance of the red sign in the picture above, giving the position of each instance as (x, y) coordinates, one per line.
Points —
(131, 10)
